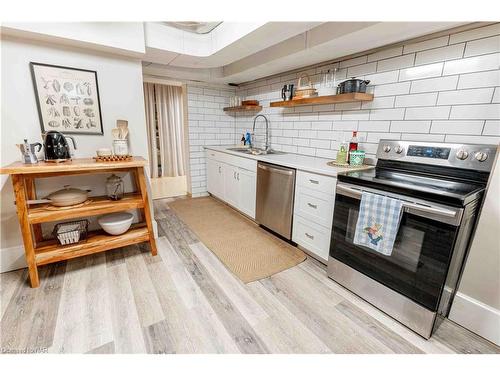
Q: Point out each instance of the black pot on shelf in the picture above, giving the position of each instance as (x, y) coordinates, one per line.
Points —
(353, 85)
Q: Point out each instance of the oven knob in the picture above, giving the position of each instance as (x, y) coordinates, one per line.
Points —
(399, 149)
(481, 156)
(387, 148)
(462, 155)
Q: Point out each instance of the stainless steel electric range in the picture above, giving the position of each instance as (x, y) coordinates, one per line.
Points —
(442, 187)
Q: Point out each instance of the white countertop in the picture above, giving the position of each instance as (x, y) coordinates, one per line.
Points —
(300, 162)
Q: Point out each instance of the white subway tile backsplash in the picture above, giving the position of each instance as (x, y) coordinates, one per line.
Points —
(376, 137)
(379, 102)
(472, 64)
(476, 111)
(427, 113)
(426, 44)
(387, 114)
(396, 63)
(352, 62)
(428, 102)
(457, 127)
(452, 52)
(360, 70)
(481, 32)
(420, 72)
(496, 96)
(356, 115)
(434, 84)
(320, 143)
(392, 89)
(471, 96)
(485, 140)
(382, 78)
(345, 125)
(374, 126)
(385, 53)
(422, 137)
(411, 126)
(481, 79)
(483, 46)
(416, 100)
(492, 127)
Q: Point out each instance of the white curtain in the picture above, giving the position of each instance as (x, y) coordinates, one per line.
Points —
(164, 114)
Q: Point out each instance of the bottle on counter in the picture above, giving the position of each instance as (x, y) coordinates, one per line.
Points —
(353, 143)
(243, 141)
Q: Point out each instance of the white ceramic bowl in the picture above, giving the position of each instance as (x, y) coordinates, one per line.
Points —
(116, 223)
(104, 152)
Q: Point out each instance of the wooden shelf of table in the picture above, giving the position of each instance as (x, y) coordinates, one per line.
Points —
(52, 251)
(329, 99)
(40, 213)
(39, 252)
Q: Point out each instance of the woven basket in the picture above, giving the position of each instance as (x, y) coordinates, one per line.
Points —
(305, 91)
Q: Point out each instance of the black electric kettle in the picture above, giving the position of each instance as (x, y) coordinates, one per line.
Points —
(56, 146)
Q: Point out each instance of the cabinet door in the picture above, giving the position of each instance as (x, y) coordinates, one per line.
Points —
(231, 186)
(215, 178)
(247, 185)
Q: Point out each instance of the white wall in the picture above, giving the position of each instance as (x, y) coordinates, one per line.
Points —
(121, 95)
(477, 303)
(118, 37)
(443, 89)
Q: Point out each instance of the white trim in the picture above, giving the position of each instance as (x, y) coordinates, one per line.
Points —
(477, 317)
(161, 81)
(12, 258)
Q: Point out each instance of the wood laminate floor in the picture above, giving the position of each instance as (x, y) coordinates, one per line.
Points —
(185, 301)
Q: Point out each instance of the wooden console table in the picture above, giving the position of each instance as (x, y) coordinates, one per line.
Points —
(39, 251)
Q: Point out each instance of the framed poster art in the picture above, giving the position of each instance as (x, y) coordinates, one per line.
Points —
(67, 99)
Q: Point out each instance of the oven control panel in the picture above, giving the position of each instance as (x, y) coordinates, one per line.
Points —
(465, 156)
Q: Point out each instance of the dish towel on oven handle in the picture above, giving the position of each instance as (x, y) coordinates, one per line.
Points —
(378, 222)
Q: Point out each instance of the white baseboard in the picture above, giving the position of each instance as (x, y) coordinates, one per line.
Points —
(477, 317)
(12, 258)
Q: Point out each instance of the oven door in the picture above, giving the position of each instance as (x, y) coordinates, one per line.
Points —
(420, 258)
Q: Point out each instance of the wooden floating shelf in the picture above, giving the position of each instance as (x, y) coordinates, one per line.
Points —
(243, 108)
(329, 99)
(51, 251)
(39, 213)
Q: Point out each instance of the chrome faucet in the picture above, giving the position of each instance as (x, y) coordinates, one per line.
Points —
(267, 147)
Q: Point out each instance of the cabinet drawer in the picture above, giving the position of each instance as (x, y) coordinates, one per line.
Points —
(324, 184)
(214, 155)
(237, 161)
(312, 237)
(314, 205)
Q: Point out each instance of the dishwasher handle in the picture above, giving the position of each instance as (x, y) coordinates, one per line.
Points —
(274, 169)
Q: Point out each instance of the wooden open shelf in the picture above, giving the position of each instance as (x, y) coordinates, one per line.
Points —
(51, 251)
(39, 213)
(329, 99)
(244, 108)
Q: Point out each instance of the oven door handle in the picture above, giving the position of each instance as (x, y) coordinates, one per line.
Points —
(407, 205)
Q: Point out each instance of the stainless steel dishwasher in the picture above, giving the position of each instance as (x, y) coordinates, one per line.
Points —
(275, 195)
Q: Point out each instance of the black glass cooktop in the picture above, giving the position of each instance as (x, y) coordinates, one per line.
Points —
(437, 189)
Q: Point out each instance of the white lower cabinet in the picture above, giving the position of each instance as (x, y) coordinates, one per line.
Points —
(233, 180)
(231, 185)
(313, 213)
(248, 193)
(215, 178)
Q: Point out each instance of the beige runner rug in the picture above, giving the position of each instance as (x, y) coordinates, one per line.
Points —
(247, 250)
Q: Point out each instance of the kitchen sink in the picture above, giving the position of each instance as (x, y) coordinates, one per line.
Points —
(255, 151)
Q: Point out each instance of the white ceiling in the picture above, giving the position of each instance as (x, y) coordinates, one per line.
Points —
(277, 47)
